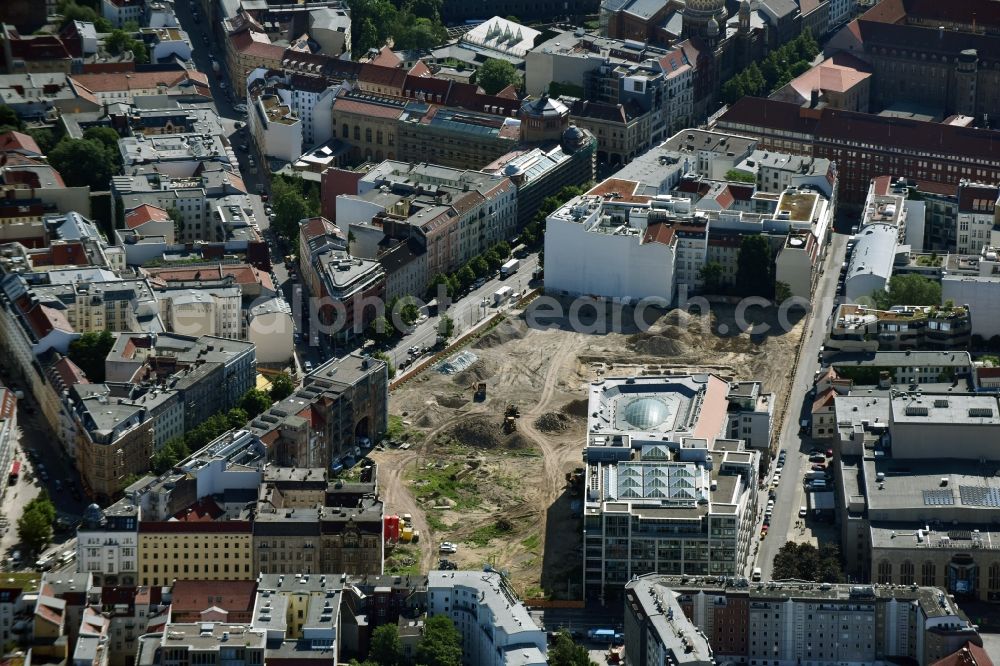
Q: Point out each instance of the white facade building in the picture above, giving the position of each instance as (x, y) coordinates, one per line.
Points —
(871, 261)
(275, 128)
(198, 312)
(495, 626)
(271, 329)
(602, 248)
(121, 11)
(107, 544)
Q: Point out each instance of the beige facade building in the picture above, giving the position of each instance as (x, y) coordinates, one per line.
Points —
(194, 550)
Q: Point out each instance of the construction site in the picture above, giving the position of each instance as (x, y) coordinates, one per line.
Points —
(485, 451)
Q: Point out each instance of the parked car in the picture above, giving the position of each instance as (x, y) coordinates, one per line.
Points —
(448, 547)
(802, 512)
(242, 108)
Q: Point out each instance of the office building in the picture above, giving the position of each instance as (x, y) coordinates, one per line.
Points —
(666, 490)
(866, 146)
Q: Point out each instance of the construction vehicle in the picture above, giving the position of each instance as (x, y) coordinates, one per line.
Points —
(574, 481)
(480, 390)
(510, 415)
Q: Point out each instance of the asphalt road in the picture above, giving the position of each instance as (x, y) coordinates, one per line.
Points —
(62, 482)
(466, 312)
(791, 493)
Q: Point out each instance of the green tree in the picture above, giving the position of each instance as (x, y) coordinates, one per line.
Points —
(503, 249)
(236, 418)
(72, 11)
(428, 9)
(564, 652)
(372, 21)
(89, 351)
(255, 402)
(494, 75)
(84, 162)
(754, 81)
(9, 120)
(910, 289)
(131, 26)
(105, 135)
(737, 176)
(118, 41)
(782, 292)
(755, 268)
(44, 137)
(386, 649)
(803, 561)
(466, 276)
(440, 279)
(732, 90)
(34, 529)
(711, 276)
(281, 386)
(103, 25)
(380, 330)
(409, 312)
(446, 328)
(493, 259)
(417, 33)
(441, 644)
(390, 368)
(172, 453)
(480, 267)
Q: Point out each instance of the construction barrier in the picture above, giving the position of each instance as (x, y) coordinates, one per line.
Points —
(555, 603)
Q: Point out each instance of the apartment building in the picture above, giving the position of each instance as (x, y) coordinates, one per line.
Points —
(477, 600)
(788, 623)
(305, 523)
(865, 329)
(664, 494)
(205, 643)
(448, 215)
(454, 137)
(201, 197)
(125, 86)
(114, 441)
(121, 11)
(275, 128)
(248, 48)
(208, 547)
(341, 408)
(972, 280)
(308, 95)
(18, 594)
(107, 545)
(348, 290)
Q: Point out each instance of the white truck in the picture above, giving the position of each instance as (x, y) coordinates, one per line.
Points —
(501, 295)
(510, 268)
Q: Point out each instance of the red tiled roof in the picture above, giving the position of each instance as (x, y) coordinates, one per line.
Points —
(140, 215)
(881, 185)
(114, 81)
(969, 654)
(660, 232)
(198, 595)
(204, 509)
(391, 77)
(243, 273)
(68, 254)
(824, 399)
(612, 185)
(386, 58)
(725, 198)
(319, 226)
(366, 108)
(69, 372)
(20, 142)
(262, 50)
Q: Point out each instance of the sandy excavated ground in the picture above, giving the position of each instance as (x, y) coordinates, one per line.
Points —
(502, 498)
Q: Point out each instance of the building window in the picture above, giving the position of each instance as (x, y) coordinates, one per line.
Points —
(928, 574)
(995, 576)
(368, 135)
(885, 571)
(906, 571)
(357, 133)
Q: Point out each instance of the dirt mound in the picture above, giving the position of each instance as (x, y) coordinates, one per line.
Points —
(486, 432)
(553, 422)
(577, 408)
(659, 345)
(505, 331)
(453, 401)
(477, 372)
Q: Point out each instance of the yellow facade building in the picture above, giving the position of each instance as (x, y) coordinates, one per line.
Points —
(195, 550)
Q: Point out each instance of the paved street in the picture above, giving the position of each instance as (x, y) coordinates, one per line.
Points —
(465, 312)
(62, 483)
(790, 493)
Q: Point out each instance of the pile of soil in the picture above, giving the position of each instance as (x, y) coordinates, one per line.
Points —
(577, 408)
(477, 372)
(659, 345)
(553, 422)
(453, 401)
(505, 331)
(484, 432)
